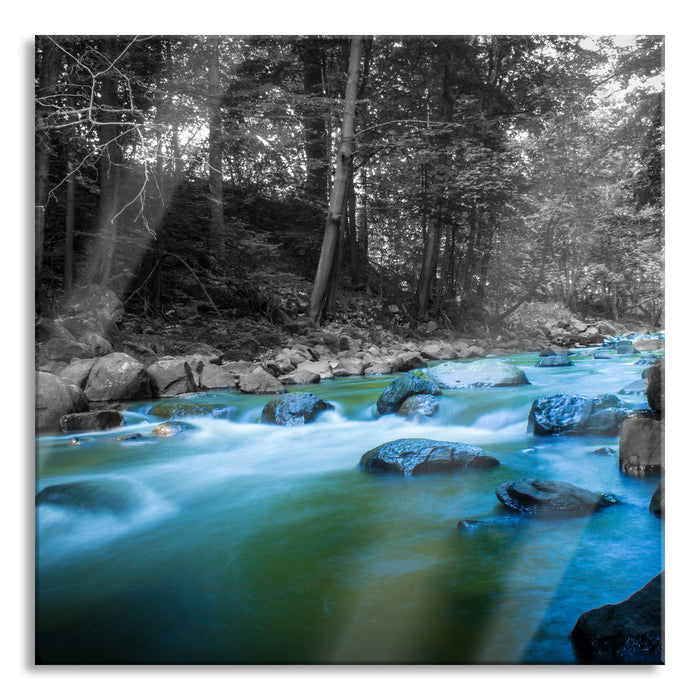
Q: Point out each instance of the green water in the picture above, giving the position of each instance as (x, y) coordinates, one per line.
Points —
(248, 543)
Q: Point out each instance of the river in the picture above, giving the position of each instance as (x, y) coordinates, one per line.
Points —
(244, 543)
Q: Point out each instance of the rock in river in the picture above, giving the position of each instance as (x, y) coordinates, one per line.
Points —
(555, 361)
(171, 428)
(91, 420)
(414, 382)
(480, 373)
(571, 413)
(294, 409)
(419, 406)
(626, 632)
(97, 495)
(415, 456)
(546, 496)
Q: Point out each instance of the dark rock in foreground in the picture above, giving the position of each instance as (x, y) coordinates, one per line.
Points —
(415, 456)
(657, 504)
(294, 409)
(642, 446)
(604, 451)
(655, 387)
(409, 384)
(627, 632)
(91, 420)
(477, 374)
(546, 496)
(571, 413)
(555, 361)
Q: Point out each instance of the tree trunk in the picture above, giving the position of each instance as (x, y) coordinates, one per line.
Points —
(48, 76)
(431, 251)
(334, 282)
(336, 208)
(217, 242)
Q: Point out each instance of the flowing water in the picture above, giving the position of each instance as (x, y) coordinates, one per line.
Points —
(248, 543)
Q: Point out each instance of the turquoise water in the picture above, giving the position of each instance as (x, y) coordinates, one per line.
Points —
(249, 543)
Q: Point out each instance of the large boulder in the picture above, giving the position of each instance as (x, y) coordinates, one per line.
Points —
(555, 361)
(320, 367)
(347, 367)
(438, 350)
(218, 377)
(544, 496)
(419, 406)
(409, 384)
(656, 378)
(416, 456)
(479, 373)
(408, 360)
(294, 409)
(379, 366)
(55, 397)
(641, 446)
(571, 413)
(171, 376)
(260, 382)
(118, 377)
(91, 420)
(78, 371)
(626, 632)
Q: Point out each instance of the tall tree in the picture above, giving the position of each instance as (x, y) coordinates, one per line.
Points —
(336, 206)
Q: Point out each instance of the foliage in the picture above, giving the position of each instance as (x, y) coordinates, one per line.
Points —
(536, 163)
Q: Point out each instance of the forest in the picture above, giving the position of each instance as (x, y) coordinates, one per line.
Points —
(459, 179)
